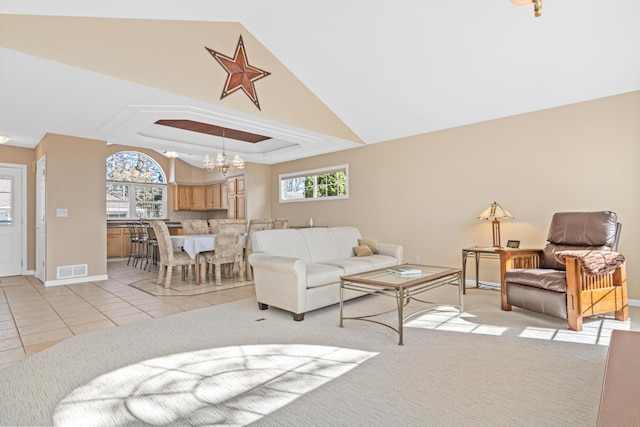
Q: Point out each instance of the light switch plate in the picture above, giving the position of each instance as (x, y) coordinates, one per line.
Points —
(63, 213)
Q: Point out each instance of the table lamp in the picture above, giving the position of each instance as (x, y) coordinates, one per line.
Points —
(495, 213)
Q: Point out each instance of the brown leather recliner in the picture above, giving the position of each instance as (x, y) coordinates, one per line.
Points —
(535, 280)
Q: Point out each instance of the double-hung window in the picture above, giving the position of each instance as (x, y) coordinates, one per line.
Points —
(319, 184)
(136, 187)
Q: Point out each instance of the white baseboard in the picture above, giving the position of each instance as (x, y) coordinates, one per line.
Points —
(76, 280)
(472, 284)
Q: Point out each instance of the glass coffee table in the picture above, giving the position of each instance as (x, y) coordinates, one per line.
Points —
(403, 288)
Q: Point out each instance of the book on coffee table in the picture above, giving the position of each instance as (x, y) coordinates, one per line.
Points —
(404, 271)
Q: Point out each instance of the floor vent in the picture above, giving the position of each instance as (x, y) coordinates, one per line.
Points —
(70, 271)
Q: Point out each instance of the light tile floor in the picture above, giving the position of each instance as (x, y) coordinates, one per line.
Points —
(34, 317)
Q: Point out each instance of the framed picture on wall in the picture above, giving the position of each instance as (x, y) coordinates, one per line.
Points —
(513, 243)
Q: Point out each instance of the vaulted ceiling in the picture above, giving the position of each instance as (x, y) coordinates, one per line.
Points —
(340, 73)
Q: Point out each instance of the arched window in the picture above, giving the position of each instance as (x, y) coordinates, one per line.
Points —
(136, 187)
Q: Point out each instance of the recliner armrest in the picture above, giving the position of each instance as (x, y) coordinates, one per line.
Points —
(515, 258)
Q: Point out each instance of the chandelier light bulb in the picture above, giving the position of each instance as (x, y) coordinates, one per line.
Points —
(221, 162)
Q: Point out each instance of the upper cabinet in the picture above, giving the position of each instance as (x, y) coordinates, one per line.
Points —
(236, 198)
(199, 197)
(224, 196)
(182, 197)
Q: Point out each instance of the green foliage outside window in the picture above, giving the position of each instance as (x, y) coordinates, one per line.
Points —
(318, 184)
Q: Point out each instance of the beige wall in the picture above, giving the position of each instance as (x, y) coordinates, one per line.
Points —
(423, 192)
(258, 190)
(426, 191)
(75, 173)
(25, 156)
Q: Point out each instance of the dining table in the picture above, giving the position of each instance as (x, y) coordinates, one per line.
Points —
(193, 245)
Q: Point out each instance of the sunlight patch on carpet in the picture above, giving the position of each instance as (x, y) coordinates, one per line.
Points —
(596, 331)
(230, 386)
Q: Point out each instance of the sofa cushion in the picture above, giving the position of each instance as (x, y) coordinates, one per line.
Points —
(321, 274)
(350, 265)
(347, 238)
(321, 243)
(552, 280)
(282, 242)
(380, 261)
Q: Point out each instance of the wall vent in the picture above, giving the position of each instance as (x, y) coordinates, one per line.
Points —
(70, 271)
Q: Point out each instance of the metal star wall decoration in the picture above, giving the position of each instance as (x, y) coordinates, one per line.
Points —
(240, 75)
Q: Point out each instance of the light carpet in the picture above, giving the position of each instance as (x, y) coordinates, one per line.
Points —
(483, 367)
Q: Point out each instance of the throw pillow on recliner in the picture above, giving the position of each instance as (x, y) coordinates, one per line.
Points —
(372, 243)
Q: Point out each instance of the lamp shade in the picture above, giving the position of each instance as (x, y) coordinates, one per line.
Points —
(495, 211)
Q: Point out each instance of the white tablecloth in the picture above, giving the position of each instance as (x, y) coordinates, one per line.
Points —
(194, 243)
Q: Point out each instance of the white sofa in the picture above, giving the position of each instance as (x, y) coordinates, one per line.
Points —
(299, 270)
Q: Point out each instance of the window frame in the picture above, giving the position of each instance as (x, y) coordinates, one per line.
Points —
(133, 186)
(282, 178)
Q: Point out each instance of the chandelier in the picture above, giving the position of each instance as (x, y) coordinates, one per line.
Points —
(537, 5)
(221, 163)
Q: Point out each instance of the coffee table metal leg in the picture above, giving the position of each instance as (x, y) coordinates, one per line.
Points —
(400, 297)
(341, 300)
(464, 271)
(461, 292)
(477, 255)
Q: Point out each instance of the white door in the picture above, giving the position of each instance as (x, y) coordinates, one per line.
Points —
(11, 221)
(41, 229)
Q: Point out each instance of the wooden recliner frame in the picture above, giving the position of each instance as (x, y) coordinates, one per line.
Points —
(587, 295)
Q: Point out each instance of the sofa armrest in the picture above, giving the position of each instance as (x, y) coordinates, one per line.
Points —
(280, 264)
(392, 249)
(280, 281)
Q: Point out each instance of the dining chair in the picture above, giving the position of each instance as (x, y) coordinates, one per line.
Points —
(280, 223)
(195, 226)
(168, 257)
(213, 225)
(254, 226)
(228, 250)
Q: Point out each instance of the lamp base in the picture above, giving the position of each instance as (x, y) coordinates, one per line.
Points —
(495, 225)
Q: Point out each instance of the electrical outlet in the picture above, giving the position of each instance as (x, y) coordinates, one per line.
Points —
(416, 258)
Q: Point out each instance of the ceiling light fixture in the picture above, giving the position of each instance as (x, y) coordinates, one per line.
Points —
(537, 5)
(4, 139)
(221, 162)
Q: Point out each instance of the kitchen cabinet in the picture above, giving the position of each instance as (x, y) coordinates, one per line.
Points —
(224, 196)
(212, 195)
(182, 197)
(118, 242)
(198, 198)
(203, 197)
(236, 208)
